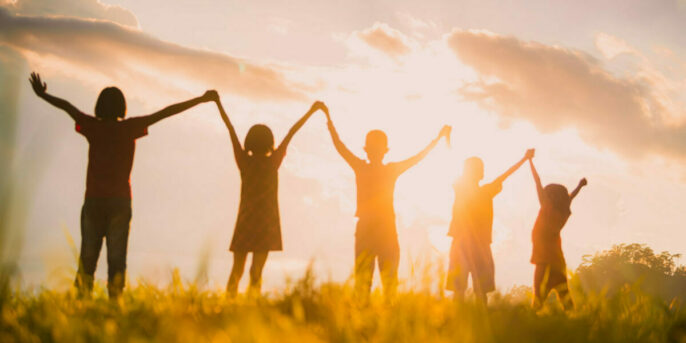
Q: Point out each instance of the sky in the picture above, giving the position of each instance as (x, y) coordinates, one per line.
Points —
(597, 87)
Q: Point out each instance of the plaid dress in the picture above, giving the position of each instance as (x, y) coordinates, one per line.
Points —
(258, 226)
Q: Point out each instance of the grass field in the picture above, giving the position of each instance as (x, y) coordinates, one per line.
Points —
(326, 312)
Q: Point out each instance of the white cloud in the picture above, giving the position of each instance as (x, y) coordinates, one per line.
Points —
(121, 55)
(90, 9)
(611, 46)
(556, 88)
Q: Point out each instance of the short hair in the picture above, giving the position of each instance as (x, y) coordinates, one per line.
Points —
(376, 138)
(111, 104)
(259, 139)
(473, 164)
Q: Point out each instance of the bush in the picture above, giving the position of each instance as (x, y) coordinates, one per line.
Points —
(633, 265)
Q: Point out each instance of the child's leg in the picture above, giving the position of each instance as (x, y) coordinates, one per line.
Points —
(541, 291)
(458, 272)
(557, 280)
(364, 272)
(258, 261)
(236, 272)
(117, 238)
(92, 233)
(563, 295)
(479, 292)
(388, 267)
(483, 272)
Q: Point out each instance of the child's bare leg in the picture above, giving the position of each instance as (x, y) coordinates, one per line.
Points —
(459, 285)
(541, 291)
(236, 272)
(364, 273)
(388, 267)
(564, 296)
(481, 296)
(258, 261)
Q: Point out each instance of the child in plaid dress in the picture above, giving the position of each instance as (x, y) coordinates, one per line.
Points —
(258, 227)
(551, 268)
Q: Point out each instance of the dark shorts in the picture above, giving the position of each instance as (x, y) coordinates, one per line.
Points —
(471, 258)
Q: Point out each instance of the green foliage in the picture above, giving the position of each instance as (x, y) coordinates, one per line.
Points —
(329, 312)
(634, 265)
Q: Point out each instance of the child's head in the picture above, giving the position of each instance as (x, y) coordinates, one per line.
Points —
(473, 169)
(558, 195)
(111, 104)
(259, 141)
(376, 145)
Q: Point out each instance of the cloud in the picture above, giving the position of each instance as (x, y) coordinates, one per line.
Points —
(611, 46)
(385, 39)
(115, 53)
(556, 88)
(92, 9)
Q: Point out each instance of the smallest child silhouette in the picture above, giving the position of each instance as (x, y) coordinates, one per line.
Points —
(551, 268)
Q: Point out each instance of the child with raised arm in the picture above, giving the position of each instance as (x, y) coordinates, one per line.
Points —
(471, 228)
(376, 238)
(106, 212)
(258, 226)
(551, 268)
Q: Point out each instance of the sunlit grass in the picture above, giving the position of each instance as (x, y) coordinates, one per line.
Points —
(308, 311)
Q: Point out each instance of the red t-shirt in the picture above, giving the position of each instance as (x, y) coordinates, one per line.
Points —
(110, 155)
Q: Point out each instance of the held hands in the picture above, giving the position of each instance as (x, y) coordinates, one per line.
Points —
(38, 86)
(317, 105)
(210, 95)
(529, 154)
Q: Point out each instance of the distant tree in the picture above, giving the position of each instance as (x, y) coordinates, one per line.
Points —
(635, 265)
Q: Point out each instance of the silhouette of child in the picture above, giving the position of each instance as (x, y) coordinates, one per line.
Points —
(258, 227)
(106, 212)
(471, 228)
(376, 239)
(551, 268)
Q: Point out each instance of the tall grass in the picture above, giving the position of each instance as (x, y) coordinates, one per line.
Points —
(307, 311)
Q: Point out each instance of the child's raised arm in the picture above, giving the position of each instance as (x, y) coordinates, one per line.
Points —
(500, 179)
(576, 190)
(352, 160)
(171, 110)
(40, 88)
(410, 162)
(281, 150)
(537, 179)
(238, 151)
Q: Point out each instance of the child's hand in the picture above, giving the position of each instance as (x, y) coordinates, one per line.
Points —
(583, 182)
(529, 154)
(317, 105)
(211, 95)
(38, 86)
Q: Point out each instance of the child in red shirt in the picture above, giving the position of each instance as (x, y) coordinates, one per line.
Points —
(551, 268)
(106, 212)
